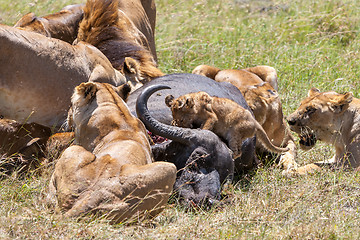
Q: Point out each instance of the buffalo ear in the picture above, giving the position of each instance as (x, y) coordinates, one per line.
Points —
(341, 103)
(313, 91)
(169, 100)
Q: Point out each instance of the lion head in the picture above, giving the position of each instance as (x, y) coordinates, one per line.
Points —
(83, 99)
(264, 101)
(189, 110)
(319, 117)
(109, 170)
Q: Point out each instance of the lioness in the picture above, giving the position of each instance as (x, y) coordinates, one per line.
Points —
(224, 117)
(38, 75)
(259, 88)
(241, 77)
(110, 169)
(333, 118)
(62, 25)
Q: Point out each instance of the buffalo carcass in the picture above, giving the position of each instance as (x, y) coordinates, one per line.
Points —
(184, 83)
(203, 161)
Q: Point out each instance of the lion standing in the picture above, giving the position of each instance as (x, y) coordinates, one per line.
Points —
(224, 117)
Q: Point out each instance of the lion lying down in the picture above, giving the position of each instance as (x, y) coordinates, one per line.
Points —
(333, 118)
(109, 171)
(22, 145)
(224, 117)
(62, 25)
(37, 81)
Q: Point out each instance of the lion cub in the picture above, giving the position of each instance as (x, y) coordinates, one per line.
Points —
(223, 116)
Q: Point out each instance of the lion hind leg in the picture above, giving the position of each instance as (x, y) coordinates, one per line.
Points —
(142, 189)
(266, 73)
(139, 191)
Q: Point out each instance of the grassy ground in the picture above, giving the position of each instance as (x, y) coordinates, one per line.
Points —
(310, 43)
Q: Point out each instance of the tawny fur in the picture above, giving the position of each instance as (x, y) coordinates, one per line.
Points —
(332, 118)
(224, 117)
(111, 30)
(259, 88)
(62, 25)
(37, 81)
(109, 169)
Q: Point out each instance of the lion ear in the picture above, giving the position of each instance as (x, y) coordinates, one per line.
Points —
(205, 98)
(189, 102)
(26, 19)
(87, 90)
(169, 100)
(341, 103)
(123, 91)
(313, 91)
(131, 65)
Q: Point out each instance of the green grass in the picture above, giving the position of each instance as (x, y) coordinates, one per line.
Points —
(310, 43)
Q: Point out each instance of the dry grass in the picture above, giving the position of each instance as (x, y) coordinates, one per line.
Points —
(310, 43)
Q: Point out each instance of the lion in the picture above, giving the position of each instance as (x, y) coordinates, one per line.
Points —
(223, 116)
(247, 77)
(37, 81)
(114, 27)
(333, 118)
(259, 88)
(62, 25)
(22, 145)
(109, 169)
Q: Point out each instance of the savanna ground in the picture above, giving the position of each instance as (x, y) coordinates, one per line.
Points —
(310, 43)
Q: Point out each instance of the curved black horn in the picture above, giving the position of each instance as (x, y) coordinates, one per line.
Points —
(176, 134)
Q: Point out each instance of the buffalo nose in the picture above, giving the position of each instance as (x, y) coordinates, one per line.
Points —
(291, 121)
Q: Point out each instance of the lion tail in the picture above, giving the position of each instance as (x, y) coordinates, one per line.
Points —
(98, 15)
(264, 139)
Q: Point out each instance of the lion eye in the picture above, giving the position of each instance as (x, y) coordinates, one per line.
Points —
(310, 110)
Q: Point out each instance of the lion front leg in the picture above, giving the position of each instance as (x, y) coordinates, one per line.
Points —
(66, 180)
(235, 146)
(287, 160)
(209, 123)
(307, 169)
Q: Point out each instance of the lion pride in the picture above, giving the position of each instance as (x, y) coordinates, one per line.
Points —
(109, 170)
